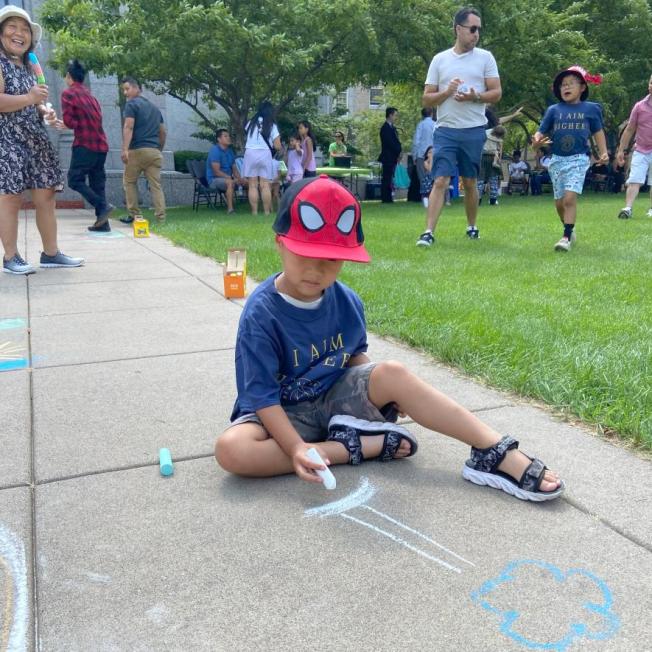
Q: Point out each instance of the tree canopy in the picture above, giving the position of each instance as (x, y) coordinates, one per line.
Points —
(232, 54)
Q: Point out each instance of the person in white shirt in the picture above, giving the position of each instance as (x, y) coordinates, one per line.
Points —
(541, 175)
(517, 170)
(263, 139)
(461, 81)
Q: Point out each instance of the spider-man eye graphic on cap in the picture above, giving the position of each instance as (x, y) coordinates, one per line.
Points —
(312, 219)
(346, 220)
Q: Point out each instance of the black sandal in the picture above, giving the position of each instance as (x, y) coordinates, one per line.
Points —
(482, 469)
(347, 430)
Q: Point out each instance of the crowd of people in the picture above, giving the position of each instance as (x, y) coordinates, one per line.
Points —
(465, 142)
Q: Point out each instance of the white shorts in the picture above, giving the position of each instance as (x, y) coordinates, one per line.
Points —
(258, 163)
(641, 168)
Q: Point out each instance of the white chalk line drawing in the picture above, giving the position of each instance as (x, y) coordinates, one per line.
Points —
(10, 351)
(357, 499)
(15, 613)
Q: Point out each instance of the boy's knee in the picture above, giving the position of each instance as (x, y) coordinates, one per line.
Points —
(226, 451)
(391, 369)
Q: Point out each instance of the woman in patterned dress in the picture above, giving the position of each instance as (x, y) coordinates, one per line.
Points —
(28, 160)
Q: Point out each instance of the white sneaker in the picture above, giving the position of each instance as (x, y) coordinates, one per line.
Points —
(649, 213)
(17, 265)
(625, 213)
(563, 245)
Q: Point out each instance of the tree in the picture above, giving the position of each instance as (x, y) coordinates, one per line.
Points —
(234, 53)
(230, 53)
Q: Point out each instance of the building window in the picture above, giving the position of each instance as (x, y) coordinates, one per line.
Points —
(376, 97)
(342, 101)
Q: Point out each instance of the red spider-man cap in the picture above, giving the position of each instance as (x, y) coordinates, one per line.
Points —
(320, 218)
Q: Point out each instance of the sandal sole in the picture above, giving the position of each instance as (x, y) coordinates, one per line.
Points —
(498, 482)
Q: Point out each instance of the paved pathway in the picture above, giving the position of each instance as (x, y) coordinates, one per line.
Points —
(105, 364)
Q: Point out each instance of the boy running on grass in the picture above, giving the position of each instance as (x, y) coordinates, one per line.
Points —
(304, 378)
(571, 123)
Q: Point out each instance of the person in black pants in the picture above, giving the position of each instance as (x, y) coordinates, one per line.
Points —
(82, 114)
(390, 153)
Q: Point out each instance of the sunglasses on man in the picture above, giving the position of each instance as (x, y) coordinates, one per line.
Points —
(472, 28)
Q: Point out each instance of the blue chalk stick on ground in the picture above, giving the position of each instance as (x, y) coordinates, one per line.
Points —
(165, 461)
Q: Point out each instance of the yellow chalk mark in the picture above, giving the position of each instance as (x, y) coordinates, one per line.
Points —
(9, 606)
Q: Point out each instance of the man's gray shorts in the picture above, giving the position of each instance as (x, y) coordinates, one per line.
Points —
(218, 183)
(349, 395)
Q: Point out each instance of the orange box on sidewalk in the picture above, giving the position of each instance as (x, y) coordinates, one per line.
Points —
(235, 274)
(141, 228)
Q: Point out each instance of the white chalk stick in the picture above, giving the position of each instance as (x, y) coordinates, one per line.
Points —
(327, 478)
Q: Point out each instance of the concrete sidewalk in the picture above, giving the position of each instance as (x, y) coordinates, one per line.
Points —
(103, 365)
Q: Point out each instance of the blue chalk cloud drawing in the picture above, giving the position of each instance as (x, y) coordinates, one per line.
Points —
(520, 574)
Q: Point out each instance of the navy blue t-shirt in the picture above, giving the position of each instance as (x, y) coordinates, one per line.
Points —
(571, 125)
(285, 355)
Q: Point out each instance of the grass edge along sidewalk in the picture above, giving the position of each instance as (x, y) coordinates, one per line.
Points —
(571, 330)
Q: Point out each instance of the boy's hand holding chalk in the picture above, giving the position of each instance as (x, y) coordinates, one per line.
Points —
(325, 474)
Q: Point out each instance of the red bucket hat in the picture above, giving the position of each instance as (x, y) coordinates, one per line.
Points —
(581, 74)
(320, 218)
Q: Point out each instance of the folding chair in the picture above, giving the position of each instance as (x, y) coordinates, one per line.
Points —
(202, 194)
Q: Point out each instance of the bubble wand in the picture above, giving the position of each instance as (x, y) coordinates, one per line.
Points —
(36, 67)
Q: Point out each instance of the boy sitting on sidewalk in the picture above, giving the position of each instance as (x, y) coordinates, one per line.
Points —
(304, 378)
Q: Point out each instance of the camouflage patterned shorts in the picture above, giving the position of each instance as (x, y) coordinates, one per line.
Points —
(349, 395)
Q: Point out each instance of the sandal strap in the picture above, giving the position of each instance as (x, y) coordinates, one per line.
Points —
(390, 446)
(488, 460)
(532, 476)
(350, 439)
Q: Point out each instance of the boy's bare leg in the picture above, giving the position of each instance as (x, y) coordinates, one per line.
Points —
(246, 449)
(567, 208)
(391, 382)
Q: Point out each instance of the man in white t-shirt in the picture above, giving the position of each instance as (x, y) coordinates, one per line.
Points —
(461, 81)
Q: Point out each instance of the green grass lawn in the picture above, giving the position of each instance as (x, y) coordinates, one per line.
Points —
(573, 330)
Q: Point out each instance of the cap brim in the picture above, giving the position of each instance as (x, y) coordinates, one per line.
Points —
(331, 252)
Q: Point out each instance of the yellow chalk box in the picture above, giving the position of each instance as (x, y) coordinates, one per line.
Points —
(235, 274)
(141, 228)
